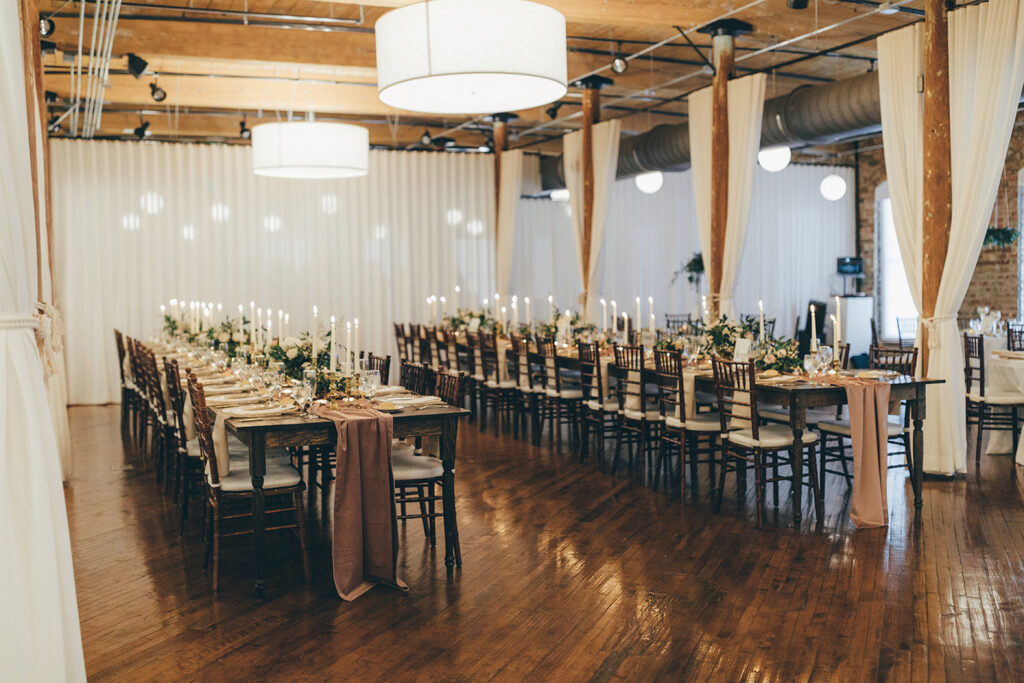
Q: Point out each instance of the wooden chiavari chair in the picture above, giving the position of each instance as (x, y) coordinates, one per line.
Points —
(129, 392)
(901, 360)
(416, 476)
(689, 436)
(382, 364)
(1015, 337)
(413, 376)
(600, 412)
(496, 393)
(141, 417)
(677, 321)
(163, 421)
(528, 392)
(402, 341)
(563, 404)
(229, 496)
(745, 442)
(638, 422)
(988, 410)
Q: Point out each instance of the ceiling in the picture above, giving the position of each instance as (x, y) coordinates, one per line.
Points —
(224, 60)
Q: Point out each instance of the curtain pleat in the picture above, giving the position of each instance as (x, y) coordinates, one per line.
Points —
(789, 255)
(139, 224)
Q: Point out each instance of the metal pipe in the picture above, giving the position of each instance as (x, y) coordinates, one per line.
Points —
(77, 81)
(92, 56)
(106, 64)
(243, 14)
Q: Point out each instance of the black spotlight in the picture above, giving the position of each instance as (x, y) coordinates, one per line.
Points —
(243, 130)
(159, 94)
(426, 139)
(796, 4)
(136, 65)
(552, 111)
(46, 27)
(142, 131)
(620, 65)
(443, 142)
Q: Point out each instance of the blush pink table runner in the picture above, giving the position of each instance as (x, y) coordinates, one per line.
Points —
(868, 402)
(365, 543)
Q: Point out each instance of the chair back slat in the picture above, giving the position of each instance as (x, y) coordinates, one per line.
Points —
(668, 367)
(974, 363)
(1015, 337)
(450, 387)
(204, 431)
(629, 375)
(737, 394)
(901, 360)
(413, 377)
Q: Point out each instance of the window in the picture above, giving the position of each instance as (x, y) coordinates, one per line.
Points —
(891, 287)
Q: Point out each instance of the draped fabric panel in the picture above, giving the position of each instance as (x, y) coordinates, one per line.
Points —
(508, 198)
(746, 105)
(39, 632)
(139, 224)
(605, 158)
(986, 57)
(650, 236)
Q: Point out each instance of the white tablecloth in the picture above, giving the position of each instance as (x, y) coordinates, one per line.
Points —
(1004, 375)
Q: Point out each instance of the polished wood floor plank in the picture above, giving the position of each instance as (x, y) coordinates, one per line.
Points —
(569, 573)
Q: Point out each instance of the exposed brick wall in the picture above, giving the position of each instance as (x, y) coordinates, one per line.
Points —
(996, 278)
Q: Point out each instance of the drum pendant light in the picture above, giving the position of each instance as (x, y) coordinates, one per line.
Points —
(471, 57)
(310, 149)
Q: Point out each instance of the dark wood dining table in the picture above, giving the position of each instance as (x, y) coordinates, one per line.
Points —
(295, 431)
(798, 397)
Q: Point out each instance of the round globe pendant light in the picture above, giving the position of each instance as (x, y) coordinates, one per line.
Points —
(310, 149)
(649, 183)
(471, 57)
(774, 159)
(833, 187)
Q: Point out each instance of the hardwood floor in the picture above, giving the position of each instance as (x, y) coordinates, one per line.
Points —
(568, 573)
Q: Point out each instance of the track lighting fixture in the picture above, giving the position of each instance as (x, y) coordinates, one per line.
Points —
(443, 142)
(137, 65)
(620, 65)
(46, 27)
(885, 8)
(426, 139)
(796, 4)
(142, 131)
(54, 126)
(158, 93)
(243, 130)
(552, 111)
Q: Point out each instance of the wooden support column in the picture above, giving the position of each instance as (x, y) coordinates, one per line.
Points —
(591, 114)
(723, 44)
(35, 109)
(500, 145)
(938, 177)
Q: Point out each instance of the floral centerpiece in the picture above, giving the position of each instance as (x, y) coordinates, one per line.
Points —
(228, 339)
(580, 330)
(781, 355)
(460, 322)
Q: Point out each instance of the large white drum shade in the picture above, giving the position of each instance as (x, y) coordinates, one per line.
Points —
(310, 149)
(471, 56)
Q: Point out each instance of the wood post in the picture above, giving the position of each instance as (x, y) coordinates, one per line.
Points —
(500, 145)
(591, 115)
(35, 108)
(722, 56)
(938, 178)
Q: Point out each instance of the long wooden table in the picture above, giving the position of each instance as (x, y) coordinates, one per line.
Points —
(294, 431)
(798, 397)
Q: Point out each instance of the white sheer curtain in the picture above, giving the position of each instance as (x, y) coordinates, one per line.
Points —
(605, 158)
(138, 224)
(509, 190)
(746, 106)
(986, 76)
(39, 632)
(789, 256)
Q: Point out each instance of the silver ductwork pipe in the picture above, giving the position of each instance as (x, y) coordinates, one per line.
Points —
(811, 114)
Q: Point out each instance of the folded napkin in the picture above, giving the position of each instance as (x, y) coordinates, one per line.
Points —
(389, 391)
(222, 389)
(417, 401)
(236, 399)
(272, 411)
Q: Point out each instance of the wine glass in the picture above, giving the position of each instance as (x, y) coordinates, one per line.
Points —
(370, 382)
(811, 363)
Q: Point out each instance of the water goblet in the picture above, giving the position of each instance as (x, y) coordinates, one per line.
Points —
(824, 357)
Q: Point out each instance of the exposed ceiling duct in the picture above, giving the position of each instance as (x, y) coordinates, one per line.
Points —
(811, 114)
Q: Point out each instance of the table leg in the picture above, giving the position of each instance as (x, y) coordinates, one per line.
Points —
(452, 551)
(917, 452)
(798, 421)
(257, 470)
